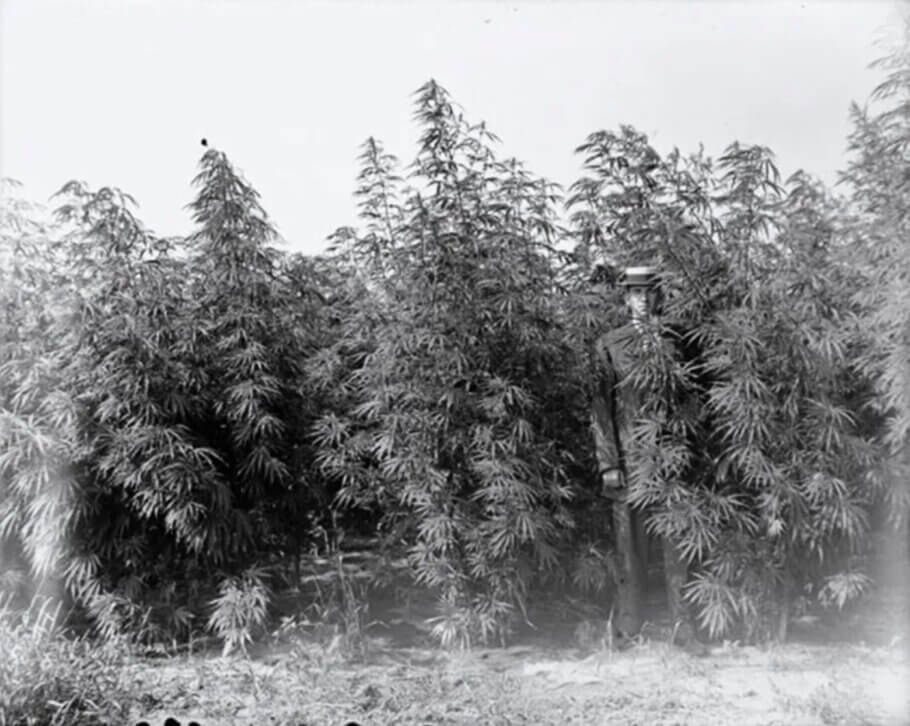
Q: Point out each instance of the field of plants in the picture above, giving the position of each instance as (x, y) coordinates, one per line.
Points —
(384, 484)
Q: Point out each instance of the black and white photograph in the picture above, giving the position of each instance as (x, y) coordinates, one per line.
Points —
(454, 362)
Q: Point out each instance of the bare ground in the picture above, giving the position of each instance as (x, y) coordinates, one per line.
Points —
(855, 672)
(655, 684)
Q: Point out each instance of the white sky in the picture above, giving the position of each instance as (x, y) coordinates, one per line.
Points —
(120, 92)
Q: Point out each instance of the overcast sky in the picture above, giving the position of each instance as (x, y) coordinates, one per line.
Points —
(121, 92)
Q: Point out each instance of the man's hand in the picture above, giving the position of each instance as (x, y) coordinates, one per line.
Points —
(613, 483)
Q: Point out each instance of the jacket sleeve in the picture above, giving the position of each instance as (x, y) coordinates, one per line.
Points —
(605, 422)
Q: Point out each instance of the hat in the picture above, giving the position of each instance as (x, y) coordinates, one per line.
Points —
(638, 276)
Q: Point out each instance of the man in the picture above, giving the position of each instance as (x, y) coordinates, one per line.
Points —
(615, 405)
(613, 409)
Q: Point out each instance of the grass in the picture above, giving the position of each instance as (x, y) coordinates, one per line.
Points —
(303, 680)
(652, 684)
(47, 678)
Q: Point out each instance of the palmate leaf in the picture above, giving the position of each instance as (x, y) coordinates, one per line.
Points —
(240, 609)
(716, 603)
(843, 587)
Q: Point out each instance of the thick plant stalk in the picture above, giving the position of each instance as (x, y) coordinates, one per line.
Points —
(676, 572)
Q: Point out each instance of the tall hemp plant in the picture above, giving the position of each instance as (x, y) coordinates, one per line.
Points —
(156, 443)
(745, 460)
(87, 346)
(34, 441)
(876, 178)
(459, 422)
(255, 321)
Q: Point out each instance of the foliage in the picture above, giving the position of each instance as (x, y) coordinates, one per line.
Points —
(460, 421)
(181, 419)
(877, 178)
(747, 453)
(240, 609)
(37, 482)
(160, 436)
(47, 678)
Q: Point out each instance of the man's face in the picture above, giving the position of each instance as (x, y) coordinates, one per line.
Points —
(637, 300)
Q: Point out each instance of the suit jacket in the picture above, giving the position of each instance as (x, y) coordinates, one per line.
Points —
(613, 409)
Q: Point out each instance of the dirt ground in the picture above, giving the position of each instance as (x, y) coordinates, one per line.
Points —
(850, 671)
(652, 683)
